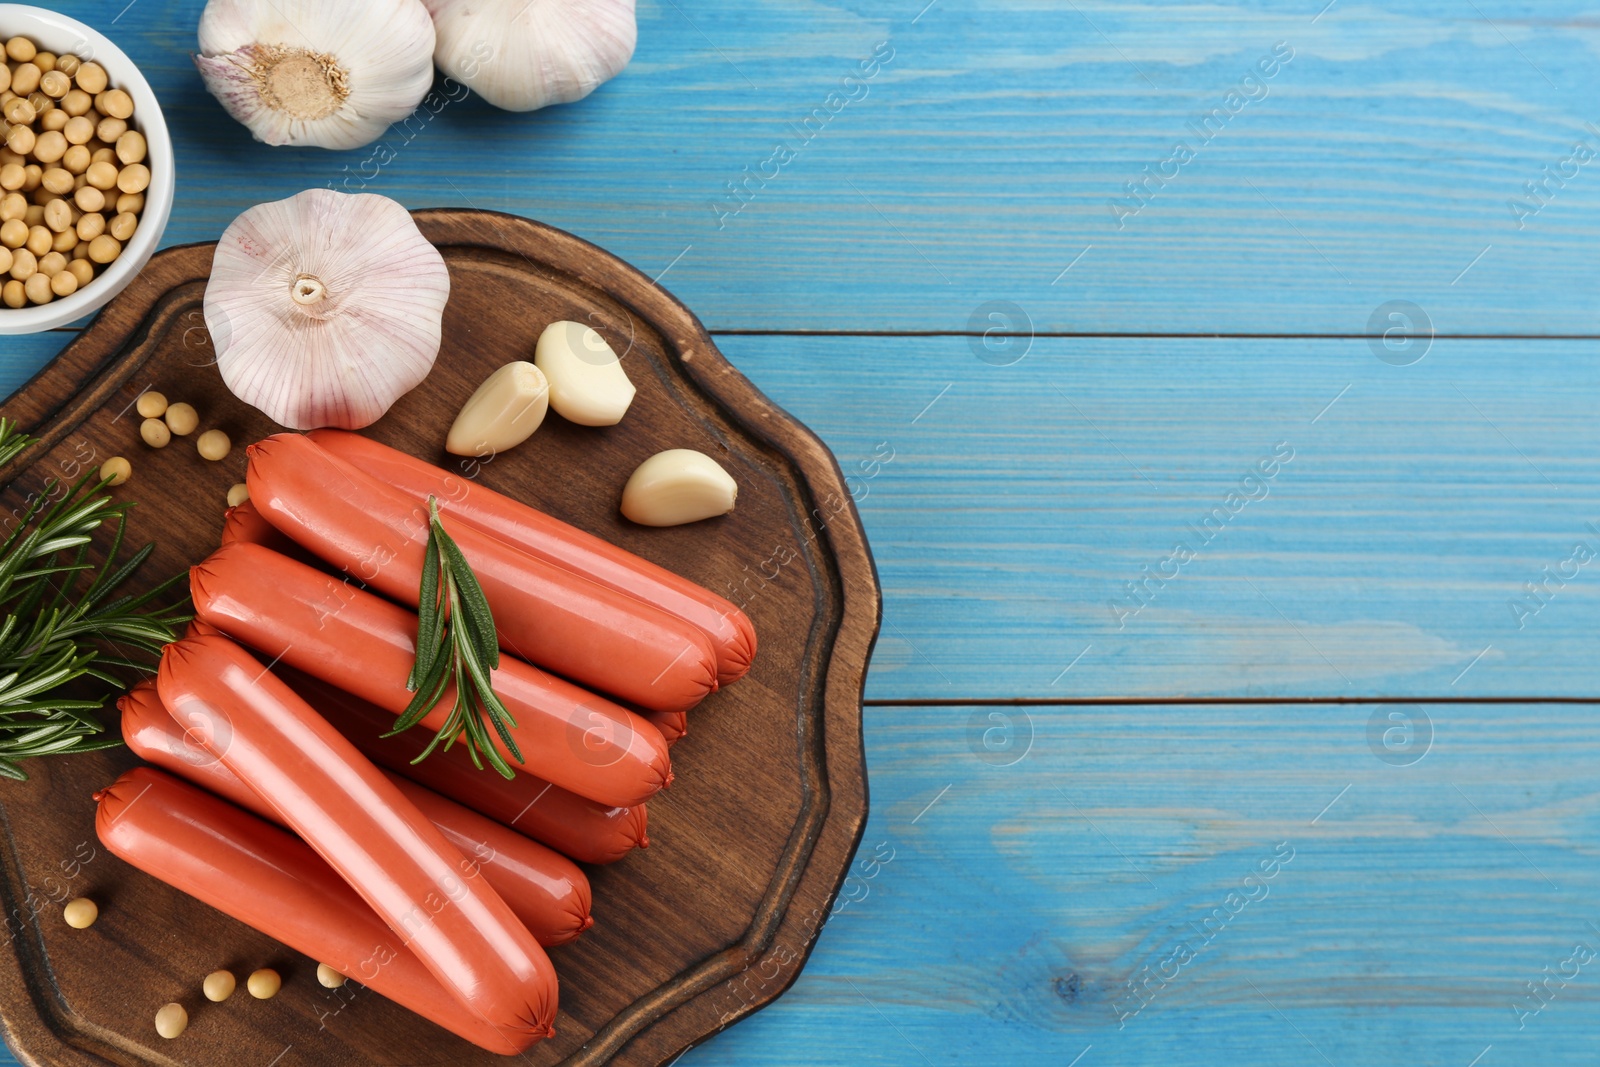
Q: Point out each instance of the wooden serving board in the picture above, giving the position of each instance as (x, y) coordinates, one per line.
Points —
(748, 847)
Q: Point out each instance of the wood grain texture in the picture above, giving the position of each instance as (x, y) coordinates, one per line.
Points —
(23, 357)
(1018, 906)
(1018, 502)
(1008, 517)
(752, 841)
(982, 160)
(979, 167)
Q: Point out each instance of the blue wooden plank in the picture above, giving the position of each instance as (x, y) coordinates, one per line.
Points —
(1403, 910)
(1386, 558)
(1391, 555)
(984, 159)
(1010, 507)
(23, 357)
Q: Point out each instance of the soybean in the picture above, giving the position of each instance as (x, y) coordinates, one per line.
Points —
(134, 178)
(92, 79)
(171, 1020)
(25, 78)
(50, 146)
(213, 445)
(73, 172)
(117, 104)
(88, 198)
(37, 288)
(264, 984)
(81, 912)
(58, 215)
(109, 130)
(103, 176)
(182, 419)
(151, 404)
(131, 147)
(218, 986)
(55, 84)
(115, 471)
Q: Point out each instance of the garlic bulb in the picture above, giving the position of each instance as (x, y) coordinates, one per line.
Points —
(523, 54)
(317, 72)
(325, 308)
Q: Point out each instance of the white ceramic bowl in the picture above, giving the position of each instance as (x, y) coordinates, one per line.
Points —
(57, 33)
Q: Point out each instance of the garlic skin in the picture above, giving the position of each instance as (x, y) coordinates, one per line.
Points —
(325, 308)
(587, 383)
(678, 486)
(504, 412)
(521, 55)
(317, 72)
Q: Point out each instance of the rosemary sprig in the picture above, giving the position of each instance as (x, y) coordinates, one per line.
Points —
(62, 620)
(456, 645)
(12, 443)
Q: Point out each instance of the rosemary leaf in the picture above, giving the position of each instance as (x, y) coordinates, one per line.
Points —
(467, 596)
(12, 443)
(456, 647)
(429, 626)
(429, 693)
(58, 627)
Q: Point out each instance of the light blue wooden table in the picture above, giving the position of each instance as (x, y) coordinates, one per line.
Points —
(1233, 704)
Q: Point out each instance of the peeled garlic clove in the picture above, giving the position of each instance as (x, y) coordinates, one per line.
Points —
(677, 486)
(309, 72)
(524, 54)
(587, 383)
(503, 413)
(325, 308)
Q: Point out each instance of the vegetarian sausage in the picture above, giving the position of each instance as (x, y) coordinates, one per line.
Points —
(272, 881)
(243, 522)
(672, 724)
(732, 637)
(574, 826)
(545, 890)
(365, 645)
(366, 830)
(587, 831)
(593, 635)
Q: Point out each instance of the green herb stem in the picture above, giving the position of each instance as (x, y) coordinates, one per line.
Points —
(61, 620)
(456, 646)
